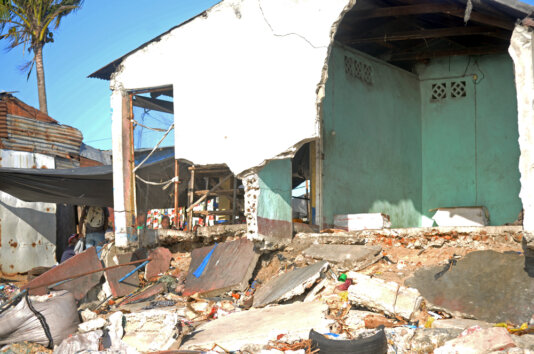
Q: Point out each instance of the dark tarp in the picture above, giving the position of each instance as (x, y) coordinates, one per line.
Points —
(94, 185)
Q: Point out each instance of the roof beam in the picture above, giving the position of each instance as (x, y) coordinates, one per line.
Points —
(407, 10)
(423, 9)
(153, 104)
(409, 56)
(432, 33)
(486, 20)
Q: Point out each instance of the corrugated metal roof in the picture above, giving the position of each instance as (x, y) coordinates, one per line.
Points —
(26, 134)
(14, 106)
(89, 152)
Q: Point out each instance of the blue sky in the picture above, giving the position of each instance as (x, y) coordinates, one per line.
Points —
(100, 32)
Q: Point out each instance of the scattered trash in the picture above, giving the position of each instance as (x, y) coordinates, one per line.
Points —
(156, 304)
(345, 285)
(165, 306)
(375, 321)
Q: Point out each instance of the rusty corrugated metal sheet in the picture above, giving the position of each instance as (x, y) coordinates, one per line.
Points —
(16, 107)
(3, 119)
(27, 134)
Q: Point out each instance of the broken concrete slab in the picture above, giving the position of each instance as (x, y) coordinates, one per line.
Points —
(161, 260)
(375, 294)
(80, 263)
(480, 341)
(218, 232)
(461, 216)
(485, 285)
(526, 341)
(426, 340)
(408, 301)
(365, 221)
(230, 267)
(379, 295)
(170, 237)
(92, 325)
(288, 285)
(258, 326)
(354, 256)
(460, 323)
(151, 330)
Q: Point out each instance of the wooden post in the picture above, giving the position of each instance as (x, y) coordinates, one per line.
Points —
(234, 201)
(176, 176)
(190, 197)
(133, 192)
(123, 186)
(308, 204)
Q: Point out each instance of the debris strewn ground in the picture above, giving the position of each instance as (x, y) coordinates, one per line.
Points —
(438, 290)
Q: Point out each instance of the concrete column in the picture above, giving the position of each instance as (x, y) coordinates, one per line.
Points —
(123, 196)
(521, 51)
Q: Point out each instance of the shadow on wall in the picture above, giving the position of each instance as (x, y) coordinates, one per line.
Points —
(42, 222)
(403, 214)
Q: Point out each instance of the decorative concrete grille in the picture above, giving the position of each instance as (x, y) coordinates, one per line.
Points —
(439, 91)
(458, 89)
(358, 70)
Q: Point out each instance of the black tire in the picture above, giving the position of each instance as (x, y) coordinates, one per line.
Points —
(375, 344)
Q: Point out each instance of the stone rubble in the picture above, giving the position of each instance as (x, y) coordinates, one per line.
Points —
(346, 288)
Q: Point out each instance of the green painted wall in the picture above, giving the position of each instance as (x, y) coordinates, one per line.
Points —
(372, 141)
(275, 191)
(470, 149)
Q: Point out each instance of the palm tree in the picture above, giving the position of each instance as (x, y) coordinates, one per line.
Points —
(27, 22)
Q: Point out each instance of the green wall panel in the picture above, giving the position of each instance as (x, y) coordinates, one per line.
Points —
(390, 147)
(372, 140)
(478, 164)
(275, 191)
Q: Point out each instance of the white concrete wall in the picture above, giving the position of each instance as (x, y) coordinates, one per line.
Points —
(27, 230)
(247, 78)
(522, 52)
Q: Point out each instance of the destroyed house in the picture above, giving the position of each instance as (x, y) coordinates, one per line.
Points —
(394, 107)
(35, 233)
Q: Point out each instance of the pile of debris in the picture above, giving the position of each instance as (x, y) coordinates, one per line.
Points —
(371, 296)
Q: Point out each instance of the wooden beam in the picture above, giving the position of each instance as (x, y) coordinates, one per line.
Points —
(201, 199)
(218, 192)
(213, 212)
(409, 56)
(430, 33)
(396, 11)
(423, 9)
(485, 19)
(153, 104)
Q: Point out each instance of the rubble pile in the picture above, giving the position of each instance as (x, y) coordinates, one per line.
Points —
(436, 293)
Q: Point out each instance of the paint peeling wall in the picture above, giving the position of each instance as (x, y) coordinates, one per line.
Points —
(522, 52)
(274, 214)
(252, 192)
(27, 230)
(249, 73)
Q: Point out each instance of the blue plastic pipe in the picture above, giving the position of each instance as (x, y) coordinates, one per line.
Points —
(133, 271)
